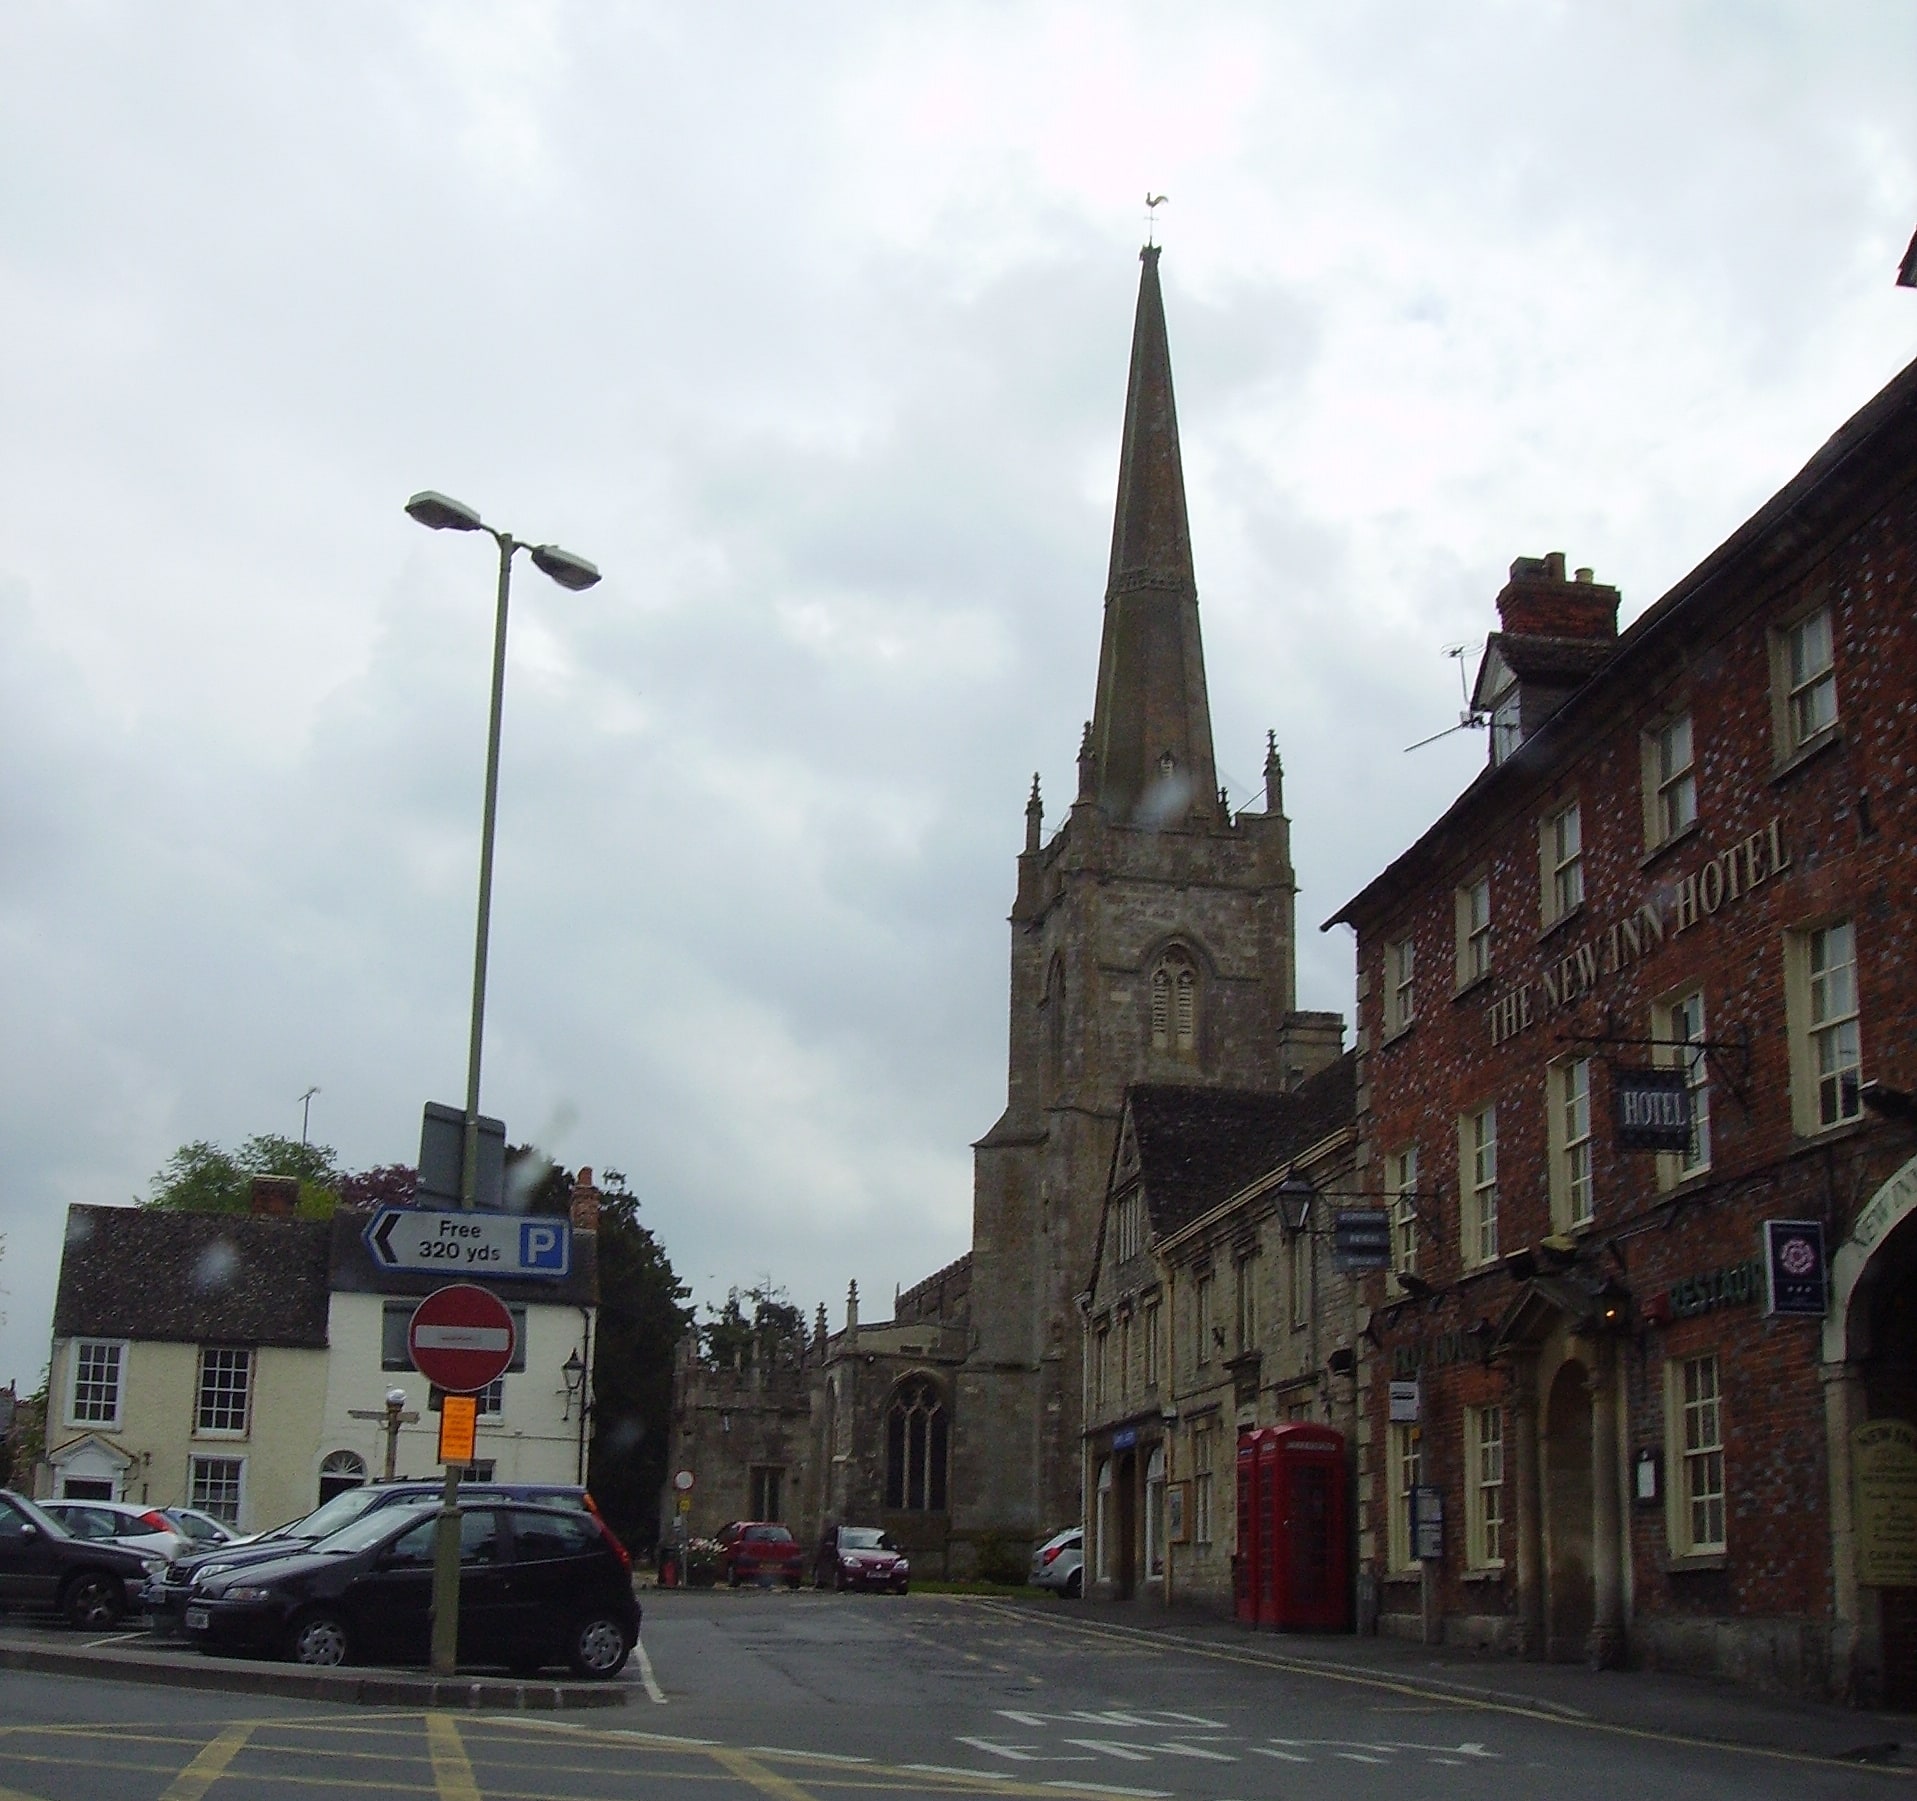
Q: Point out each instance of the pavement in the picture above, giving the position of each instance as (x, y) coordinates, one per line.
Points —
(138, 1656)
(1650, 1702)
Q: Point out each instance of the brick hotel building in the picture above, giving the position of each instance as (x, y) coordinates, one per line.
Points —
(1691, 851)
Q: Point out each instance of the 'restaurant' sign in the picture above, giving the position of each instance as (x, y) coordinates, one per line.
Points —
(1652, 1109)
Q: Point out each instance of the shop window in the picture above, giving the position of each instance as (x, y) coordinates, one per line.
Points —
(1478, 1185)
(1670, 781)
(1155, 1512)
(1561, 854)
(1569, 1088)
(1406, 1461)
(1826, 1049)
(1474, 931)
(1695, 1454)
(98, 1367)
(1484, 1491)
(915, 1448)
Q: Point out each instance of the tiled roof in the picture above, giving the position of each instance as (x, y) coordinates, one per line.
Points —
(138, 1272)
(1197, 1147)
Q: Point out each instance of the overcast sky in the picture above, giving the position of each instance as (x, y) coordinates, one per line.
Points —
(809, 325)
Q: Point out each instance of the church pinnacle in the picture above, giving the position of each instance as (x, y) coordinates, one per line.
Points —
(1151, 727)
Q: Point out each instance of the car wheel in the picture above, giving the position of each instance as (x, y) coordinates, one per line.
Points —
(1075, 1585)
(318, 1640)
(93, 1601)
(598, 1646)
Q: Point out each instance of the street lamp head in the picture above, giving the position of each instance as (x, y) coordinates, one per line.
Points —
(566, 569)
(443, 513)
(1295, 1196)
(573, 1372)
(396, 1397)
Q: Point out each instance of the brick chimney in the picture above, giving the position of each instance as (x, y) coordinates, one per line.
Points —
(275, 1197)
(585, 1202)
(1537, 601)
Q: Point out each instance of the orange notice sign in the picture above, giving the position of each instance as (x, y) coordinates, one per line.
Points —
(458, 1415)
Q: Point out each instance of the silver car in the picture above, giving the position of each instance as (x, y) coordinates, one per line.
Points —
(1059, 1563)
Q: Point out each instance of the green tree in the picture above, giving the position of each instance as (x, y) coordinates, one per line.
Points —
(642, 1316)
(737, 1331)
(201, 1177)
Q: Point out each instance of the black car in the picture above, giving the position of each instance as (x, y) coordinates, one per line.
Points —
(537, 1586)
(93, 1582)
(166, 1595)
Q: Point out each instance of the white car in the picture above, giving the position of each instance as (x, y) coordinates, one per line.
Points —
(1059, 1563)
(202, 1528)
(144, 1529)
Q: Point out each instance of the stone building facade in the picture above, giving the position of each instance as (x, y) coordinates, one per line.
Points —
(1214, 1308)
(1691, 853)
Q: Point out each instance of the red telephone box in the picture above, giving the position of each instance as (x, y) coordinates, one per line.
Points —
(1248, 1565)
(1299, 1484)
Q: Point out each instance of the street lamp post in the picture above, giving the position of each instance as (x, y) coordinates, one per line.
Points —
(440, 513)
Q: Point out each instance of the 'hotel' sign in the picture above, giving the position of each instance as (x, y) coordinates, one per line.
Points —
(1653, 1109)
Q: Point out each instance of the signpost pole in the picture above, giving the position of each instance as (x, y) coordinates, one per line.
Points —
(446, 1577)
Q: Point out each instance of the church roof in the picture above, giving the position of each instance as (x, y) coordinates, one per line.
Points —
(1197, 1147)
(1151, 724)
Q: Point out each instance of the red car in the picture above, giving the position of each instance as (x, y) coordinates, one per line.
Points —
(860, 1557)
(760, 1551)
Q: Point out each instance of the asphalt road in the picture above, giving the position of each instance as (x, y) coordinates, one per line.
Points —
(812, 1695)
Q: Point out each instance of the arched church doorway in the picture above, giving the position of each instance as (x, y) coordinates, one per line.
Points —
(1885, 1307)
(1566, 1449)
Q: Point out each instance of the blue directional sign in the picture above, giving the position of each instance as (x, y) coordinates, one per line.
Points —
(470, 1244)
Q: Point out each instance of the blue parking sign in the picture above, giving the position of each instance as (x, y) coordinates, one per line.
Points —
(545, 1246)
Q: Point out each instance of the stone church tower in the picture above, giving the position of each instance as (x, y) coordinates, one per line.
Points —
(1151, 941)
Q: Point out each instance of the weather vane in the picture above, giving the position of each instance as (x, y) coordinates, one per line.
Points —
(1152, 203)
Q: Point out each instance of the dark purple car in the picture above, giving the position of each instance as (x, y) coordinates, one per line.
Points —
(860, 1557)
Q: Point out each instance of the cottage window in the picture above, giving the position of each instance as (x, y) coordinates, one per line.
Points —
(1151, 1344)
(915, 1449)
(1406, 1462)
(226, 1388)
(1670, 781)
(1401, 993)
(1826, 1047)
(1401, 1178)
(98, 1364)
(1204, 1438)
(1201, 1318)
(216, 1485)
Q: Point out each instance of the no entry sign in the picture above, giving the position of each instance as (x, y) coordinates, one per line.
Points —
(461, 1338)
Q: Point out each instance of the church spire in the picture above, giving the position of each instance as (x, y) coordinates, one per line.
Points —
(1151, 728)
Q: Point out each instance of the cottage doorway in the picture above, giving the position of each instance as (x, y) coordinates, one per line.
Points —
(1566, 1457)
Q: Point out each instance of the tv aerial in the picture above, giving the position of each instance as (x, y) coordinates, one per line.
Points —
(1468, 720)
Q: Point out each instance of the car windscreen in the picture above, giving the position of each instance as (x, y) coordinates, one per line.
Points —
(371, 1528)
(768, 1535)
(39, 1516)
(345, 1507)
(863, 1538)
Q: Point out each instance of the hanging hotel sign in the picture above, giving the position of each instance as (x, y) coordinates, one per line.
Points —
(1795, 1279)
(1883, 1476)
(1653, 1109)
(1361, 1239)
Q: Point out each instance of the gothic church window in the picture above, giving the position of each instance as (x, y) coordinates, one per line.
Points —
(915, 1449)
(1175, 1005)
